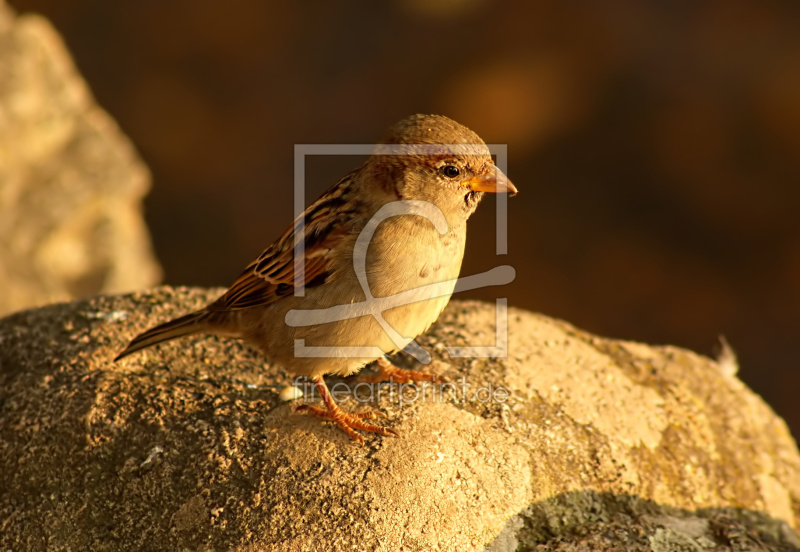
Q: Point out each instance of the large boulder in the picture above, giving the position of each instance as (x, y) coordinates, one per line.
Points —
(571, 442)
(71, 184)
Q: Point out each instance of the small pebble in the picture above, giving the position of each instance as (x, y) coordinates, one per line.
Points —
(290, 393)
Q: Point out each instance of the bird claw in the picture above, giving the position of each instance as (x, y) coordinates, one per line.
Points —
(391, 373)
(349, 422)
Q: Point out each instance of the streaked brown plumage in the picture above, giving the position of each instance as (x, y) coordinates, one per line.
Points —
(427, 160)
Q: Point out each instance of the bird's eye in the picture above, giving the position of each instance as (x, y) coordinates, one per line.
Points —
(450, 171)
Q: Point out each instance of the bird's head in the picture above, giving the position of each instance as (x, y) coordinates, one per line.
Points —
(433, 158)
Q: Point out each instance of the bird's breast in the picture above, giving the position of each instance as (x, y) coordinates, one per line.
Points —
(408, 254)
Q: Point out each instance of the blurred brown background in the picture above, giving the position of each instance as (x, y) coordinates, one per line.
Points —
(656, 144)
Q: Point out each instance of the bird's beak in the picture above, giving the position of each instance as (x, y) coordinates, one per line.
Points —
(495, 183)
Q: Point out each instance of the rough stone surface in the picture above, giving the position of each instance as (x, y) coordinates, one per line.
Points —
(600, 443)
(70, 183)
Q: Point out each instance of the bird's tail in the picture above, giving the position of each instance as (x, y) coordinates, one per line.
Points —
(185, 325)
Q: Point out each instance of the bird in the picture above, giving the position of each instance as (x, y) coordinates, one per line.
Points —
(396, 226)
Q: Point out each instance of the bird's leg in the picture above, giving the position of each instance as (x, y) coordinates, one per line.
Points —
(347, 422)
(391, 373)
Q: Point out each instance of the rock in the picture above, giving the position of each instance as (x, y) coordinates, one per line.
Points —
(71, 184)
(572, 442)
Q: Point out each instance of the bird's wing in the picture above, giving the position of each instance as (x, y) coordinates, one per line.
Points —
(324, 227)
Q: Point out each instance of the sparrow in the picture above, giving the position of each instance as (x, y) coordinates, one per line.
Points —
(363, 270)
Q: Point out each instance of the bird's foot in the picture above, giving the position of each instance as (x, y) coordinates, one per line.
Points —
(349, 422)
(391, 373)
